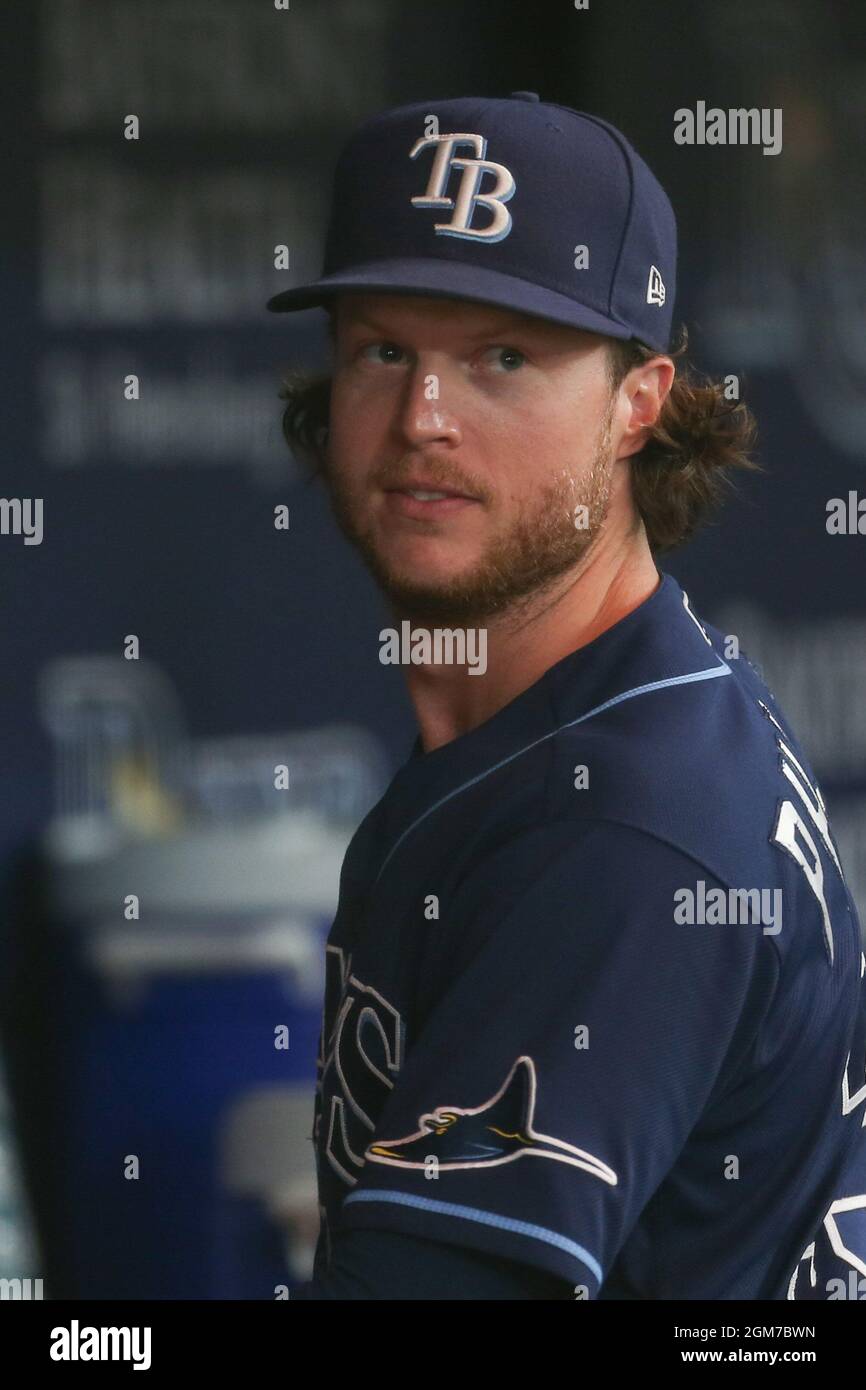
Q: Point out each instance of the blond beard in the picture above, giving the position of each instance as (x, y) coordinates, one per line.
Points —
(552, 536)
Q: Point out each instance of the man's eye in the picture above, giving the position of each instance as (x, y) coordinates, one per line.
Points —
(506, 357)
(376, 352)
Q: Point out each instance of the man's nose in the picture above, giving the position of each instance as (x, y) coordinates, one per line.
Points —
(428, 408)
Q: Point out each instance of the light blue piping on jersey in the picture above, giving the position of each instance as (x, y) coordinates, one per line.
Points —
(487, 1218)
(722, 670)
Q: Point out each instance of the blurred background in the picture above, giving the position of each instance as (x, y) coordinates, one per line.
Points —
(165, 896)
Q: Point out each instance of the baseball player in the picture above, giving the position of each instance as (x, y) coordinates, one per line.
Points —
(594, 1023)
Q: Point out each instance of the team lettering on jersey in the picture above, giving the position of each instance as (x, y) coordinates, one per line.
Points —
(833, 1265)
(361, 1052)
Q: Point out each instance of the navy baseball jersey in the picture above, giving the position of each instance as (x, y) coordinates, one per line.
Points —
(595, 989)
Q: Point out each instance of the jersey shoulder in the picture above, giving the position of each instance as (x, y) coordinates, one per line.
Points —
(703, 759)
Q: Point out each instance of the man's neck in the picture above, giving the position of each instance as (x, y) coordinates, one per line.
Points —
(521, 645)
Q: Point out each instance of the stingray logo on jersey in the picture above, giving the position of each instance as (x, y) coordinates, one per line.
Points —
(468, 196)
(499, 1131)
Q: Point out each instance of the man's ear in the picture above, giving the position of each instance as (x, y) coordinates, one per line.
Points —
(646, 388)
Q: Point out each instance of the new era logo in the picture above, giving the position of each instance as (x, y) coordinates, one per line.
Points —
(655, 290)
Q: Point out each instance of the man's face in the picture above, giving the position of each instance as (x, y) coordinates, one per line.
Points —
(507, 415)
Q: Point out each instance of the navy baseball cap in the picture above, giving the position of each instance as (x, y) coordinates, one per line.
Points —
(510, 201)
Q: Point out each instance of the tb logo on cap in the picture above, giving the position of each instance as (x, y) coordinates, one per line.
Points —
(468, 195)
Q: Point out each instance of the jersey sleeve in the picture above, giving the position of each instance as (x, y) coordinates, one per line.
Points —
(393, 1266)
(581, 1034)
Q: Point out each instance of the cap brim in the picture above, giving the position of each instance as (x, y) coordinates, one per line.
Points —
(443, 279)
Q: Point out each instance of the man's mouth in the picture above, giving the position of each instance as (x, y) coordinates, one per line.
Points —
(427, 496)
(428, 492)
(426, 501)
